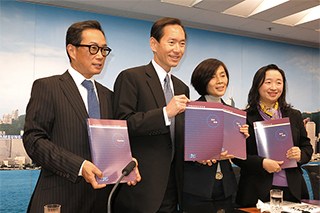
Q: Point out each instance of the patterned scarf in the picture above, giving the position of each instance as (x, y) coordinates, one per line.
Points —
(269, 113)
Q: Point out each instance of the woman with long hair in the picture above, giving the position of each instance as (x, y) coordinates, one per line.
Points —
(267, 101)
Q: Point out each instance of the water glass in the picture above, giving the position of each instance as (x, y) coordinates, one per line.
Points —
(52, 208)
(276, 200)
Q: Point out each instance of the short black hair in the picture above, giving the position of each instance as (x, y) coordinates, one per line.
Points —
(203, 73)
(157, 28)
(74, 33)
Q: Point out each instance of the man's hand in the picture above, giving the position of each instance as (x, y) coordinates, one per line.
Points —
(271, 166)
(89, 171)
(177, 105)
(133, 183)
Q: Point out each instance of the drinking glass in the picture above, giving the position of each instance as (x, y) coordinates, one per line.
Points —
(276, 200)
(52, 208)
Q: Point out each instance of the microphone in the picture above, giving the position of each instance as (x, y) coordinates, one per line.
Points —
(125, 172)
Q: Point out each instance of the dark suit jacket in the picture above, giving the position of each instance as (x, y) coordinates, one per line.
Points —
(56, 138)
(199, 179)
(255, 182)
(139, 98)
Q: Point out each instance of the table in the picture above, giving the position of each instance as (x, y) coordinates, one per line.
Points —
(313, 202)
(255, 210)
(250, 210)
(210, 207)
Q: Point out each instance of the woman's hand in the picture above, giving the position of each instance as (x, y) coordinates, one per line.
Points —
(223, 156)
(208, 162)
(271, 166)
(245, 130)
(294, 153)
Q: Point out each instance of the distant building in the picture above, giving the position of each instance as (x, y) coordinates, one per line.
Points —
(231, 102)
(4, 162)
(13, 149)
(7, 118)
(314, 117)
(311, 130)
(21, 160)
(15, 114)
(5, 148)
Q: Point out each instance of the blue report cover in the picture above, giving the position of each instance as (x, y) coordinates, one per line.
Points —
(274, 139)
(110, 148)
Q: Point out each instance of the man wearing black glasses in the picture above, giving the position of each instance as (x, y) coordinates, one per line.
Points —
(56, 136)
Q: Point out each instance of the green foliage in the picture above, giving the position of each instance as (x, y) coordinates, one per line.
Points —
(15, 127)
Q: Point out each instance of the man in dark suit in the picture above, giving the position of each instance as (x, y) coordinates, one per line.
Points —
(56, 136)
(156, 128)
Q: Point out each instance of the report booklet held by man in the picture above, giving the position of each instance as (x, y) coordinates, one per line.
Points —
(110, 148)
(211, 128)
(274, 139)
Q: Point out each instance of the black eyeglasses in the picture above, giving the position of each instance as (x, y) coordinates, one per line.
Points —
(94, 49)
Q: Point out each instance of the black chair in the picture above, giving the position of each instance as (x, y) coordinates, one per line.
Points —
(314, 176)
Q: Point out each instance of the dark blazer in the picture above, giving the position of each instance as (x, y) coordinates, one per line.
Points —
(56, 138)
(139, 98)
(255, 182)
(199, 179)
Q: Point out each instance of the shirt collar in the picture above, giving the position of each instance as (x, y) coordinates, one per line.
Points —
(160, 71)
(78, 77)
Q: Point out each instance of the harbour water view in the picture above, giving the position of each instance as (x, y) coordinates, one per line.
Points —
(16, 189)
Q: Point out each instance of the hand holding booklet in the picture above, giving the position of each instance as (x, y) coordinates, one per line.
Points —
(274, 139)
(211, 128)
(110, 148)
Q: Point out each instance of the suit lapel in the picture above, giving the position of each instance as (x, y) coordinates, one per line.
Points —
(71, 92)
(177, 90)
(155, 85)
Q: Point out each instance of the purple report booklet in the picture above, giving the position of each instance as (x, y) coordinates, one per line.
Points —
(233, 140)
(203, 130)
(274, 139)
(110, 148)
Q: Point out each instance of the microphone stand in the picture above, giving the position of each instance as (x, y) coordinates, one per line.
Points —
(125, 172)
